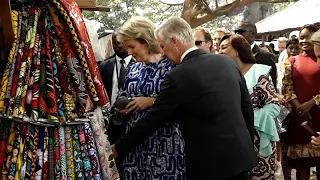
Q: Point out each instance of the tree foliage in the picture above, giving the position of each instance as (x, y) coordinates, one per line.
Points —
(208, 13)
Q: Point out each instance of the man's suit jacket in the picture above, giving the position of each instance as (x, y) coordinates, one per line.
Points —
(106, 70)
(207, 95)
(266, 58)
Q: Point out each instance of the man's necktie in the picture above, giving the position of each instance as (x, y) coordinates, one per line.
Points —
(122, 73)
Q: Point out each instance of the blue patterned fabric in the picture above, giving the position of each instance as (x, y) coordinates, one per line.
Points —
(161, 156)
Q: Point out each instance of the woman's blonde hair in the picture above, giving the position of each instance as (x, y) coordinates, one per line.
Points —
(315, 38)
(140, 29)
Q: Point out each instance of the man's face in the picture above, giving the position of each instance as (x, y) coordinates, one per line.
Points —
(281, 46)
(170, 50)
(119, 48)
(200, 41)
(245, 32)
(216, 40)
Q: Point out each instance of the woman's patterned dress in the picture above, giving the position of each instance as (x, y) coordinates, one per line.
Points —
(266, 109)
(161, 156)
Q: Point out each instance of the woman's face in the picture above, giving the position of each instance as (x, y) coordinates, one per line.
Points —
(316, 49)
(304, 40)
(138, 50)
(293, 49)
(227, 49)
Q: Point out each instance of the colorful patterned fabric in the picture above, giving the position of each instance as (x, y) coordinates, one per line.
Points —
(21, 154)
(3, 144)
(266, 109)
(30, 146)
(106, 159)
(52, 77)
(91, 147)
(72, 14)
(13, 65)
(39, 162)
(45, 166)
(12, 136)
(57, 165)
(63, 159)
(10, 65)
(18, 62)
(69, 153)
(74, 67)
(15, 152)
(79, 169)
(34, 153)
(19, 101)
(84, 153)
(51, 155)
(25, 153)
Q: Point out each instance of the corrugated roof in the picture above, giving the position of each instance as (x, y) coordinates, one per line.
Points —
(296, 15)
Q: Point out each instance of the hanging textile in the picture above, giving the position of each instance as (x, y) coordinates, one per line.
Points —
(53, 104)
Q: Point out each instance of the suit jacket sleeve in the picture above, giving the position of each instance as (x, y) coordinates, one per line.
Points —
(162, 110)
(246, 106)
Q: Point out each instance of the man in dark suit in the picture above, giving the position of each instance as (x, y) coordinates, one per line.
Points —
(113, 71)
(249, 32)
(207, 95)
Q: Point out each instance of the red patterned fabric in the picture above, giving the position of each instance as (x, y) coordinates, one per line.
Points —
(76, 16)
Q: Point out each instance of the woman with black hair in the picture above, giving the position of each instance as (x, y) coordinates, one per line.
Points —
(301, 89)
(264, 100)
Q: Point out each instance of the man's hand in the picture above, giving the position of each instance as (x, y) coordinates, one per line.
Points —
(138, 104)
(305, 107)
(316, 140)
(114, 152)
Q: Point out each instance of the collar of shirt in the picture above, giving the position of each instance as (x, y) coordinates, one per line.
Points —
(252, 45)
(126, 60)
(187, 51)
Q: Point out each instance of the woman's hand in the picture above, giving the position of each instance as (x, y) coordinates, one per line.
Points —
(281, 99)
(138, 104)
(316, 140)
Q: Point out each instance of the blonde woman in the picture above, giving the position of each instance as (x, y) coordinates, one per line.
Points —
(161, 156)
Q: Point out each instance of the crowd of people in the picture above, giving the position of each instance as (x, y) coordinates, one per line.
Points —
(202, 106)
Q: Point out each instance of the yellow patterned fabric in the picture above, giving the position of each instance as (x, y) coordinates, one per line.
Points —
(5, 78)
(79, 50)
(287, 82)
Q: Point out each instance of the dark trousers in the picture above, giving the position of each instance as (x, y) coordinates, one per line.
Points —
(241, 176)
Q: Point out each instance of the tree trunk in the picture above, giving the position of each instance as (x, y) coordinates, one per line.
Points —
(256, 12)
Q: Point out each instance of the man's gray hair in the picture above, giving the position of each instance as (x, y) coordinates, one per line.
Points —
(282, 40)
(175, 27)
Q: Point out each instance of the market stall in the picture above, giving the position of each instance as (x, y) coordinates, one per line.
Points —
(292, 18)
(53, 105)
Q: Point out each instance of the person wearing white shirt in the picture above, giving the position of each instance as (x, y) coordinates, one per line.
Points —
(113, 72)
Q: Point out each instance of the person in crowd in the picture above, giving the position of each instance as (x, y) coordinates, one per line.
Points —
(301, 89)
(217, 35)
(273, 49)
(292, 49)
(265, 103)
(249, 32)
(283, 55)
(282, 41)
(161, 154)
(216, 119)
(203, 39)
(315, 39)
(113, 71)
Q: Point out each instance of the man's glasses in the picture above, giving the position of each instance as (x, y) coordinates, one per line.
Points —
(240, 31)
(198, 43)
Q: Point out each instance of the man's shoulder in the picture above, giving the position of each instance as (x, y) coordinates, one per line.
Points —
(107, 61)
